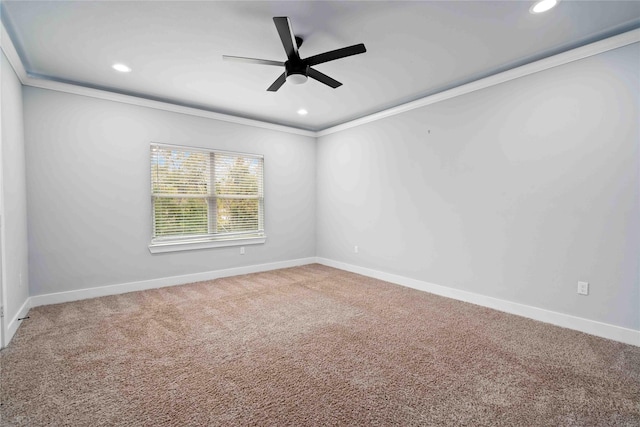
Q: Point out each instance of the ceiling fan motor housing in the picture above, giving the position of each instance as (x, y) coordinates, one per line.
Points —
(297, 72)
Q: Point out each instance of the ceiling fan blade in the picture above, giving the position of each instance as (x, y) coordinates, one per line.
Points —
(278, 83)
(323, 78)
(286, 35)
(252, 60)
(335, 54)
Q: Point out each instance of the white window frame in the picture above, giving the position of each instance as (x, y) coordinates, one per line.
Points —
(212, 240)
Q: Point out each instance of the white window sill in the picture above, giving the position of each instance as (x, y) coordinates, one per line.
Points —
(190, 245)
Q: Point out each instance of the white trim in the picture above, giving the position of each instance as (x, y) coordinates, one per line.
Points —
(595, 48)
(582, 52)
(159, 105)
(12, 54)
(13, 325)
(3, 279)
(10, 327)
(600, 329)
(28, 80)
(60, 297)
(162, 247)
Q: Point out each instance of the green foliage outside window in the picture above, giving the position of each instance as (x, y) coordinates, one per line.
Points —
(184, 204)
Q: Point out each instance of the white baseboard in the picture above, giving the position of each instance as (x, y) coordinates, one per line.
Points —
(80, 294)
(14, 323)
(604, 330)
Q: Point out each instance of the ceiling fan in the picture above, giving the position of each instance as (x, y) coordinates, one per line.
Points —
(297, 70)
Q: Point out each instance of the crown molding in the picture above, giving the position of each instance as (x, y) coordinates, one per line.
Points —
(29, 80)
(12, 54)
(576, 54)
(158, 105)
(569, 56)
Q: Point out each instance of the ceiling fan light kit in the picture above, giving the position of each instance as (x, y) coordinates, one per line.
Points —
(296, 79)
(298, 70)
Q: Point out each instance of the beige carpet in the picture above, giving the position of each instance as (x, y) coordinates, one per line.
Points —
(307, 346)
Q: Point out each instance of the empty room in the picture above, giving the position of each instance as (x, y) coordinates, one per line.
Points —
(391, 213)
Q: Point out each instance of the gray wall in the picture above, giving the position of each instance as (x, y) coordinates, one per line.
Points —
(15, 254)
(89, 198)
(517, 191)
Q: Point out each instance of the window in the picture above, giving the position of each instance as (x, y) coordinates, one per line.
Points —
(203, 198)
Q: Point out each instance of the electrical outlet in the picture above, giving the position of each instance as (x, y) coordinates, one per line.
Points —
(241, 250)
(355, 249)
(583, 288)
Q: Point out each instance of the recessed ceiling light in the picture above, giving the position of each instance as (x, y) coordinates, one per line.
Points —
(543, 6)
(303, 112)
(121, 67)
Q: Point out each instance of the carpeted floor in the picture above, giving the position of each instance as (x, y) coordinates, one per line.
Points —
(307, 346)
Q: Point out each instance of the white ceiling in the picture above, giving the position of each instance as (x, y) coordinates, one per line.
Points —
(414, 49)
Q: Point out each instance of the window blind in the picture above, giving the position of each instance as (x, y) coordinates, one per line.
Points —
(206, 194)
